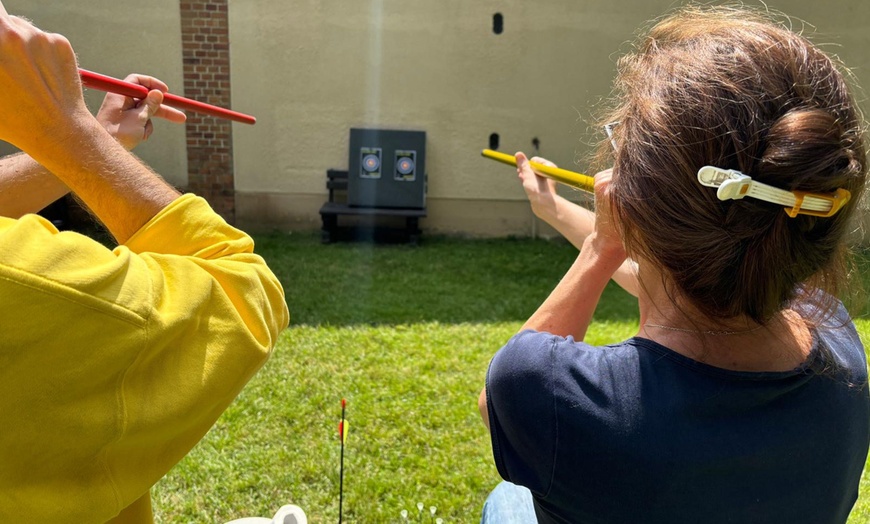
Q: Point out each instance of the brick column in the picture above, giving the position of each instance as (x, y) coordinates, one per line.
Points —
(205, 47)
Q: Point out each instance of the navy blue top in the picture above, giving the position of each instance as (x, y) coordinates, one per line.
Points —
(635, 432)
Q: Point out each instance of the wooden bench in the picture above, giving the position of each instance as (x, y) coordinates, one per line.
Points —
(336, 184)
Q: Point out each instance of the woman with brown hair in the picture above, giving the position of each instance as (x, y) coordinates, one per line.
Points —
(738, 165)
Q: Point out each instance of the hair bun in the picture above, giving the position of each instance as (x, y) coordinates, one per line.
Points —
(807, 150)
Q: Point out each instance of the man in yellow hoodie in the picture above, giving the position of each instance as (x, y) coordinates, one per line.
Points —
(113, 363)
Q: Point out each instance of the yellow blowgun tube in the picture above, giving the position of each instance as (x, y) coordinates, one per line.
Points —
(569, 178)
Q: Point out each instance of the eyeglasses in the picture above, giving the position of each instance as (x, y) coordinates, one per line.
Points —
(608, 128)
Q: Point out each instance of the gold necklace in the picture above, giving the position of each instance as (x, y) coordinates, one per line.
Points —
(714, 332)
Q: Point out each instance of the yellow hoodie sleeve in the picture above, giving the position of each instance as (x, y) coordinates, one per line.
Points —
(115, 363)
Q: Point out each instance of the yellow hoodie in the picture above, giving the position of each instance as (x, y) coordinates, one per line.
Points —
(113, 364)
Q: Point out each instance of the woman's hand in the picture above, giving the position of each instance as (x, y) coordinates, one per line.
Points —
(605, 235)
(574, 222)
(540, 191)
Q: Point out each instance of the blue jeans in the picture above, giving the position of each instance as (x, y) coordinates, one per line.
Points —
(509, 504)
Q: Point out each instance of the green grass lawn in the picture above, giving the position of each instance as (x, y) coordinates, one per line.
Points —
(405, 335)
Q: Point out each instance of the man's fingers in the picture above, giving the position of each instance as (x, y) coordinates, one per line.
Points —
(147, 81)
(157, 111)
(3, 10)
(149, 128)
(171, 114)
(154, 108)
(153, 101)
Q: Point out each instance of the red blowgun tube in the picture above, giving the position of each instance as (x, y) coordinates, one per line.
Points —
(113, 85)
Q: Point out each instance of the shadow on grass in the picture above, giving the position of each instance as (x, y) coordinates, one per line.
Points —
(443, 280)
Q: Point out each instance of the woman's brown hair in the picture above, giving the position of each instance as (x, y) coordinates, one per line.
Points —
(732, 89)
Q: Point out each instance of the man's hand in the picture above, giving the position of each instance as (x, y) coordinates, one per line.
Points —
(129, 120)
(43, 113)
(42, 100)
(27, 187)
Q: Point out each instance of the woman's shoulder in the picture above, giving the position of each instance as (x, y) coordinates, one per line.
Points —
(534, 352)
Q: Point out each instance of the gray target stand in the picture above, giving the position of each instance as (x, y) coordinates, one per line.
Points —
(386, 178)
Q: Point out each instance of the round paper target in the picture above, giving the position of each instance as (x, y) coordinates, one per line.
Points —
(371, 163)
(405, 166)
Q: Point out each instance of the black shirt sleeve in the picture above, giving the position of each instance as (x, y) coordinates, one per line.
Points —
(522, 412)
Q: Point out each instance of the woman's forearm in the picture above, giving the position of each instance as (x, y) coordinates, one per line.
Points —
(569, 308)
(575, 223)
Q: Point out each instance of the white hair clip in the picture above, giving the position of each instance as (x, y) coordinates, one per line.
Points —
(734, 185)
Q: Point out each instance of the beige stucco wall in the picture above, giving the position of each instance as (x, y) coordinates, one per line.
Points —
(116, 38)
(312, 69)
(435, 66)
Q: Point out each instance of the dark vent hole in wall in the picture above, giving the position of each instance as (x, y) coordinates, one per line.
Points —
(497, 23)
(493, 141)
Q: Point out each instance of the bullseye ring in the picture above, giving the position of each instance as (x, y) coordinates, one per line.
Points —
(371, 163)
(405, 166)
